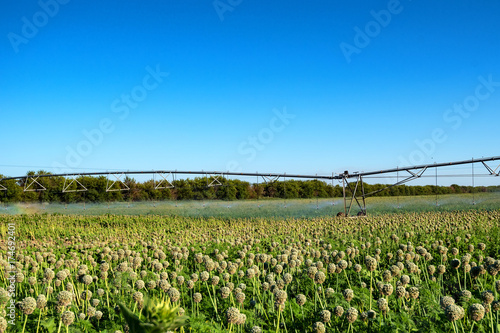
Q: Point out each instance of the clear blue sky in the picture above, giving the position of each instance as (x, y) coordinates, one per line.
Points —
(359, 100)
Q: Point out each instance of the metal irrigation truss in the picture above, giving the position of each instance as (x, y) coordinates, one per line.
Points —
(352, 183)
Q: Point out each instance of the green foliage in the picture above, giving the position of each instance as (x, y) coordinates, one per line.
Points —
(159, 250)
(159, 317)
(203, 324)
(200, 188)
(49, 324)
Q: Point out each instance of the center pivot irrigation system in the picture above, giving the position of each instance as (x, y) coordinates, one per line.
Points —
(352, 183)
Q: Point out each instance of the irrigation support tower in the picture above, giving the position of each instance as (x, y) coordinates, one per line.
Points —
(352, 183)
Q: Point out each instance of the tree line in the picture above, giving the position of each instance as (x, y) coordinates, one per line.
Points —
(197, 189)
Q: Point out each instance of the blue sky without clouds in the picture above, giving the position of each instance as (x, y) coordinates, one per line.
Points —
(357, 85)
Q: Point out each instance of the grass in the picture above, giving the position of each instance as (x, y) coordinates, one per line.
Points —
(305, 208)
